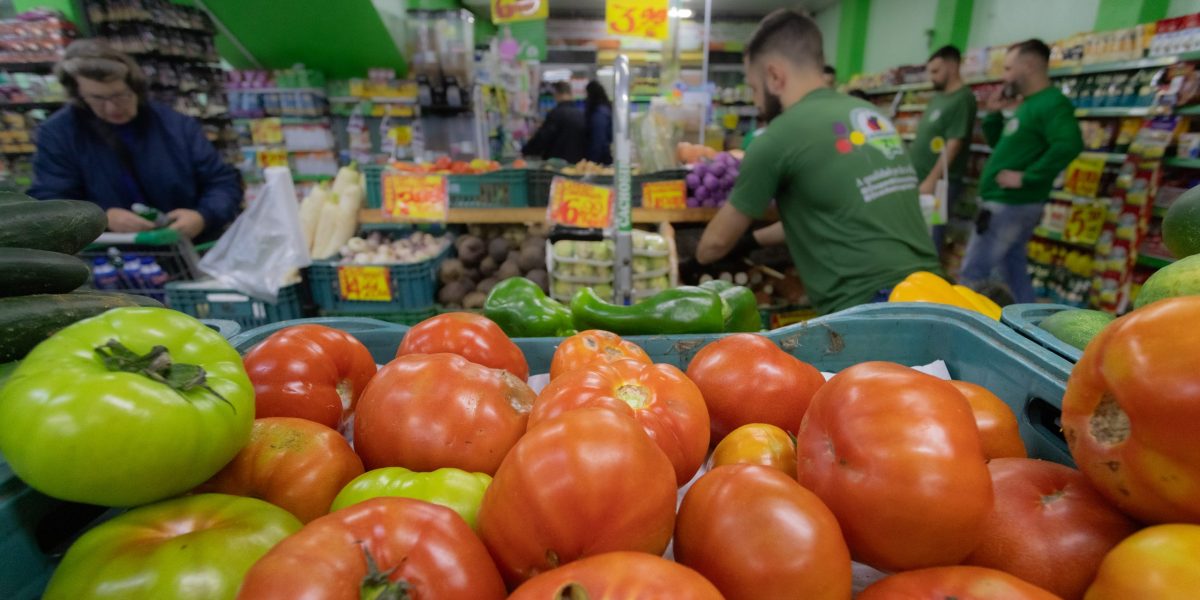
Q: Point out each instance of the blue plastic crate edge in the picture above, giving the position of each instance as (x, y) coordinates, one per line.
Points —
(1026, 319)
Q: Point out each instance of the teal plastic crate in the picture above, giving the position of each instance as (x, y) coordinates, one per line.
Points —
(405, 317)
(1026, 319)
(413, 288)
(503, 188)
(538, 182)
(209, 300)
(226, 328)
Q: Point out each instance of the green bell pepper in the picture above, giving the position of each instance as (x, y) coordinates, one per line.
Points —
(685, 309)
(522, 309)
(741, 307)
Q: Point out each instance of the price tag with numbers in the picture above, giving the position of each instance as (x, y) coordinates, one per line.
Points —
(1085, 222)
(366, 283)
(577, 204)
(508, 11)
(664, 194)
(415, 197)
(1083, 176)
(272, 157)
(637, 18)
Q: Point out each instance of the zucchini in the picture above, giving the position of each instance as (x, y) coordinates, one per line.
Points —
(65, 226)
(9, 196)
(25, 321)
(24, 271)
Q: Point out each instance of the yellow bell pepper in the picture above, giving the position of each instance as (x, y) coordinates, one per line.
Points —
(924, 286)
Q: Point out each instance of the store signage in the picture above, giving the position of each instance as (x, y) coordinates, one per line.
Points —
(664, 194)
(577, 204)
(271, 157)
(1086, 222)
(508, 11)
(1083, 176)
(365, 283)
(637, 18)
(415, 197)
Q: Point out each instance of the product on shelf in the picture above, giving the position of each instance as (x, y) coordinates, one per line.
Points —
(379, 249)
(487, 255)
(329, 216)
(710, 181)
(575, 265)
(445, 166)
(37, 36)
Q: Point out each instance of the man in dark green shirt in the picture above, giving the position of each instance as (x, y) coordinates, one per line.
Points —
(845, 189)
(1030, 149)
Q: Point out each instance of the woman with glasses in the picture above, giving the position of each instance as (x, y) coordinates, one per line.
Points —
(112, 146)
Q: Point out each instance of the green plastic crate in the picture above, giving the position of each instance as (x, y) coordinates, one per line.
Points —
(538, 182)
(407, 317)
(503, 188)
(209, 300)
(413, 287)
(1026, 320)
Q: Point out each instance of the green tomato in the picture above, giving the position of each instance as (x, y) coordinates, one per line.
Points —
(191, 547)
(120, 430)
(455, 489)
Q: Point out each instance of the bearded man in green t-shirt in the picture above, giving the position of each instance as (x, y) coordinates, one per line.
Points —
(846, 192)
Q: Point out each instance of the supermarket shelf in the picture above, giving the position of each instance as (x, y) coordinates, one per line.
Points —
(910, 108)
(536, 215)
(908, 137)
(981, 148)
(1121, 111)
(1183, 163)
(923, 85)
(1109, 157)
(1191, 110)
(1159, 211)
(1156, 262)
(373, 100)
(1057, 237)
(27, 67)
(1069, 197)
(296, 120)
(317, 91)
(31, 104)
(1125, 65)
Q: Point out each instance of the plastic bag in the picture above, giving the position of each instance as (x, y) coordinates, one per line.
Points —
(265, 246)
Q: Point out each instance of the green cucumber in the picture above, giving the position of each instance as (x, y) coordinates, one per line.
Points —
(24, 271)
(9, 197)
(65, 226)
(25, 321)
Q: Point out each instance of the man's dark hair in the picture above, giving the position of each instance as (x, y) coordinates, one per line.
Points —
(560, 88)
(829, 70)
(1032, 47)
(790, 33)
(947, 53)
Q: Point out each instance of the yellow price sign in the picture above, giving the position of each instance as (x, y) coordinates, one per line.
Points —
(507, 11)
(576, 204)
(365, 283)
(664, 194)
(637, 18)
(1083, 176)
(415, 197)
(1085, 222)
(402, 135)
(272, 157)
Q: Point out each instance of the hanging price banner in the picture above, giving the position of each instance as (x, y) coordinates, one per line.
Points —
(1085, 222)
(664, 194)
(508, 11)
(637, 18)
(1083, 176)
(415, 197)
(576, 204)
(365, 283)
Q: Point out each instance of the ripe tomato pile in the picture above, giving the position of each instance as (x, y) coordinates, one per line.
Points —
(444, 475)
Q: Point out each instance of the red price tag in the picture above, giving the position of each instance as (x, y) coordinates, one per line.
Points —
(577, 204)
(637, 18)
(507, 11)
(415, 197)
(366, 283)
(664, 194)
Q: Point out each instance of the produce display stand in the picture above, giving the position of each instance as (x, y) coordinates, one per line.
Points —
(1026, 320)
(210, 300)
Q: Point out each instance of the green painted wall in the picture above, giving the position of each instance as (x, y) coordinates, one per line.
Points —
(952, 24)
(72, 9)
(999, 22)
(1118, 14)
(1178, 8)
(852, 34)
(898, 33)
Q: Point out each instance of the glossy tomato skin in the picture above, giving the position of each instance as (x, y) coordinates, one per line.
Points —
(587, 482)
(882, 445)
(660, 397)
(73, 429)
(1157, 562)
(188, 548)
(455, 489)
(471, 336)
(756, 533)
(959, 583)
(310, 372)
(1049, 527)
(758, 444)
(620, 576)
(1131, 408)
(295, 464)
(782, 387)
(592, 346)
(998, 428)
(428, 546)
(428, 411)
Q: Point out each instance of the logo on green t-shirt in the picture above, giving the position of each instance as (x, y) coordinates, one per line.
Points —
(876, 130)
(935, 115)
(1012, 126)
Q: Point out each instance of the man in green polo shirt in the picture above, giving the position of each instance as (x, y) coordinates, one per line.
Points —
(944, 131)
(846, 191)
(1030, 149)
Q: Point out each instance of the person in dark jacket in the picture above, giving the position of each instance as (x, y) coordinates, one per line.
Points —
(563, 134)
(597, 110)
(110, 145)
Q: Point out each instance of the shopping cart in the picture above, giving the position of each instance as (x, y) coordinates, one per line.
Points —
(132, 257)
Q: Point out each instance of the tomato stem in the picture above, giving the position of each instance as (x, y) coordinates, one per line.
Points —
(157, 365)
(376, 584)
(571, 591)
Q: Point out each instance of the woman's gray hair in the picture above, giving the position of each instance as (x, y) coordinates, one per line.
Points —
(95, 60)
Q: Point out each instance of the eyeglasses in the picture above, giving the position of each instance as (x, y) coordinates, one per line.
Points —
(116, 99)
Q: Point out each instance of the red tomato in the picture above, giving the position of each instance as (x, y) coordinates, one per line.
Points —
(895, 454)
(746, 378)
(756, 533)
(295, 464)
(428, 411)
(1131, 409)
(660, 397)
(382, 542)
(588, 482)
(1049, 527)
(1157, 562)
(619, 576)
(998, 428)
(309, 371)
(758, 444)
(591, 346)
(957, 583)
(474, 337)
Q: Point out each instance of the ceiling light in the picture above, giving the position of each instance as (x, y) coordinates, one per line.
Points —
(682, 13)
